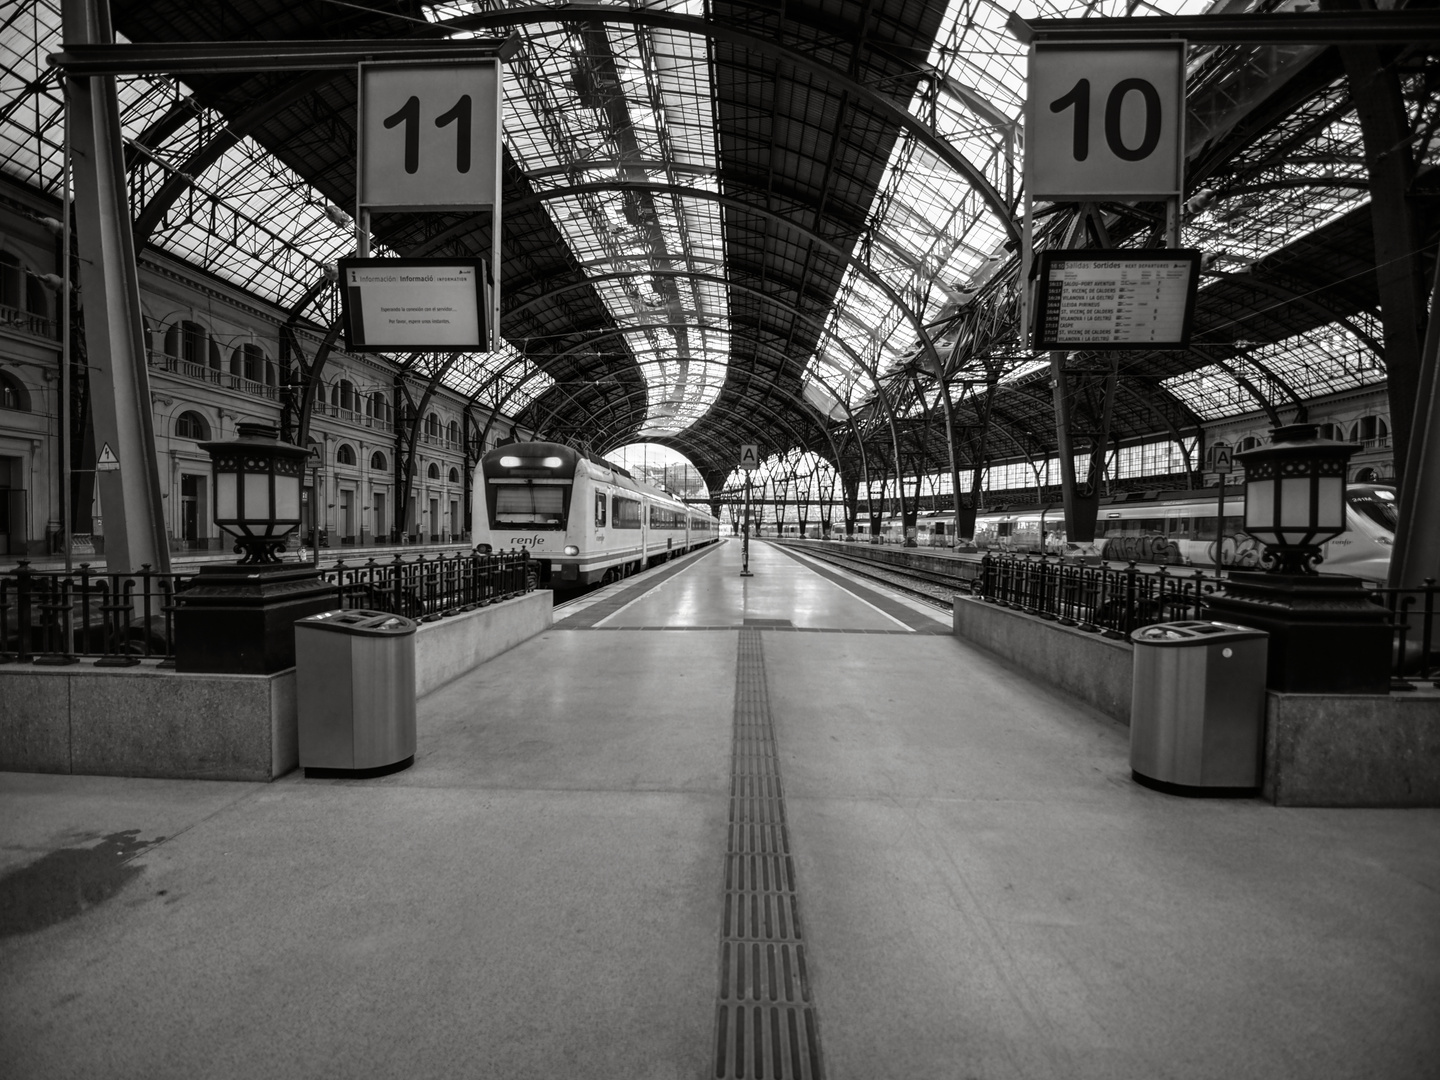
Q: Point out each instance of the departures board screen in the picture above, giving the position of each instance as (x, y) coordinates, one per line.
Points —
(1115, 299)
(414, 305)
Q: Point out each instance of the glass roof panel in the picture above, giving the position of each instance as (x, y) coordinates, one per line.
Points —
(1325, 361)
(633, 106)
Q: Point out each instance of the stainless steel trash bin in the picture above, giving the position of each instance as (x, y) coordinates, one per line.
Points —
(1197, 710)
(355, 692)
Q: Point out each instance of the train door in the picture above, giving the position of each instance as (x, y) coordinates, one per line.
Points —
(12, 509)
(192, 510)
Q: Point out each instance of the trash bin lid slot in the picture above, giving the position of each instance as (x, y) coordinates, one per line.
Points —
(1194, 632)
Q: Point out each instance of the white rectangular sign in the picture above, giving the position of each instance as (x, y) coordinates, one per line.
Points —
(429, 135)
(392, 305)
(1105, 120)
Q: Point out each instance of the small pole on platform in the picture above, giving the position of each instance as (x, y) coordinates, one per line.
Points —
(745, 535)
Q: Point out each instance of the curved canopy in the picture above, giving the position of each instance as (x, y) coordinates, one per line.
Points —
(734, 222)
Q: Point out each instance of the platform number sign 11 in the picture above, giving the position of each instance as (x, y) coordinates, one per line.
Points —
(1105, 120)
(429, 135)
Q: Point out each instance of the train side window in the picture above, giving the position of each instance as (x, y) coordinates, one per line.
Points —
(599, 509)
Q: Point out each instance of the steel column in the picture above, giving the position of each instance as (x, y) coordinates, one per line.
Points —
(114, 327)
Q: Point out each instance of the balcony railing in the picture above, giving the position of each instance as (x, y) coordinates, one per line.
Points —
(215, 376)
(118, 620)
(27, 322)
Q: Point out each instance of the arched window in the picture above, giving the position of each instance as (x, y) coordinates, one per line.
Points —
(378, 462)
(349, 397)
(432, 426)
(191, 425)
(378, 407)
(248, 362)
(1366, 475)
(453, 433)
(433, 472)
(1249, 442)
(1328, 431)
(454, 476)
(187, 341)
(345, 454)
(12, 281)
(12, 394)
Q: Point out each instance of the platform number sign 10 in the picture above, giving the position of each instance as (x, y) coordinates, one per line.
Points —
(429, 135)
(1105, 120)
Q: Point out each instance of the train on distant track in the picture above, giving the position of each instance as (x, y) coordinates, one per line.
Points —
(1174, 529)
(584, 520)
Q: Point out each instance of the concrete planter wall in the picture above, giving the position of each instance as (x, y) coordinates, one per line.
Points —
(148, 721)
(1320, 749)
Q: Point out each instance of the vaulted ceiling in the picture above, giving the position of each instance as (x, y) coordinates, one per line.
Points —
(735, 222)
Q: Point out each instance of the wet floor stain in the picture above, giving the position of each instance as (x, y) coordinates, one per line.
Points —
(63, 883)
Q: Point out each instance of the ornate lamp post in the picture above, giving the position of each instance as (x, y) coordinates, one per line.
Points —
(239, 618)
(257, 491)
(1325, 634)
(1295, 495)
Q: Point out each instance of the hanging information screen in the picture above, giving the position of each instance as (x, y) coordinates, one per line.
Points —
(429, 305)
(1115, 299)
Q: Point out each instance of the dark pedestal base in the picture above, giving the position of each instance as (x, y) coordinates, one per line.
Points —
(1326, 636)
(240, 620)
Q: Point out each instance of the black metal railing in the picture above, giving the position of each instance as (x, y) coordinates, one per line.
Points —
(430, 589)
(1417, 637)
(50, 617)
(53, 617)
(1102, 599)
(1114, 601)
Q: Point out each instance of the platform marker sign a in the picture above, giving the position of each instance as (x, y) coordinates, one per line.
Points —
(1221, 459)
(749, 455)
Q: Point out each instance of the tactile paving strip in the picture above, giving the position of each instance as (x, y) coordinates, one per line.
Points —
(765, 1025)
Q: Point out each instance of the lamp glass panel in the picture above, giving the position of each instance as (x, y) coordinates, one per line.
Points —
(225, 508)
(257, 496)
(1295, 502)
(287, 498)
(1259, 504)
(1331, 512)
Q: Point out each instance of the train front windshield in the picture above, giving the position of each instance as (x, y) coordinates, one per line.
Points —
(527, 486)
(1377, 505)
(529, 506)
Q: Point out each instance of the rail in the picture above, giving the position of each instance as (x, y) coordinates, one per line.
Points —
(1114, 602)
(1101, 599)
(118, 620)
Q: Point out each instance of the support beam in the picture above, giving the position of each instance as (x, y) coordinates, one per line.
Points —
(130, 496)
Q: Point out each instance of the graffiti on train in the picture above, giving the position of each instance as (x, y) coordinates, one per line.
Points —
(1147, 548)
(1237, 549)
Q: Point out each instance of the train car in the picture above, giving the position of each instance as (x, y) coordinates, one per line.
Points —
(1177, 529)
(584, 520)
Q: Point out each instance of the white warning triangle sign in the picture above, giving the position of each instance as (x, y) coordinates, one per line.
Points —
(749, 456)
(107, 461)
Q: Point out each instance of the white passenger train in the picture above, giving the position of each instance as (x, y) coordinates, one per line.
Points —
(583, 519)
(1178, 529)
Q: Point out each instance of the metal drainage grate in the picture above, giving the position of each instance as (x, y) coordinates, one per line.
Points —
(765, 1025)
(768, 622)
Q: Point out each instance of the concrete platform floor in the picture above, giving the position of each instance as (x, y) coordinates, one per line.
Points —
(986, 893)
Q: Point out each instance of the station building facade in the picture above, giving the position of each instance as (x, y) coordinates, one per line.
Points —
(215, 360)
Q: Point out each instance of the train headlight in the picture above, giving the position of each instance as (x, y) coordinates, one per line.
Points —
(509, 461)
(552, 463)
(571, 549)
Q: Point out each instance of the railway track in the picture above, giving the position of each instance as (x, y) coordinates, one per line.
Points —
(929, 586)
